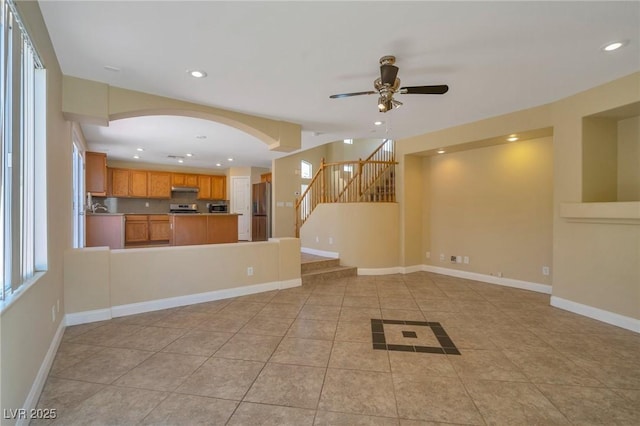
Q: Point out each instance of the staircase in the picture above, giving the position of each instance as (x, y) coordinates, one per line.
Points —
(318, 269)
(370, 181)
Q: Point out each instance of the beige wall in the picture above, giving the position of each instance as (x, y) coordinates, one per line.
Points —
(98, 278)
(26, 327)
(365, 235)
(493, 205)
(286, 188)
(594, 264)
(629, 159)
(599, 160)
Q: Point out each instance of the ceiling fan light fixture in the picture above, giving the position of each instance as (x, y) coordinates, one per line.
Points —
(382, 106)
(396, 104)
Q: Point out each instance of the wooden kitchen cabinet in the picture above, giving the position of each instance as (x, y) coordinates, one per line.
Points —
(184, 179)
(138, 183)
(159, 184)
(96, 173)
(119, 182)
(136, 228)
(218, 187)
(204, 185)
(159, 228)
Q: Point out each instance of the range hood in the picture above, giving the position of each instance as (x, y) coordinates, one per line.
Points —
(184, 189)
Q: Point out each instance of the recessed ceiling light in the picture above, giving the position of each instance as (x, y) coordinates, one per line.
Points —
(139, 149)
(610, 47)
(230, 159)
(201, 137)
(218, 164)
(136, 156)
(441, 151)
(197, 73)
(512, 138)
(188, 154)
(379, 123)
(181, 161)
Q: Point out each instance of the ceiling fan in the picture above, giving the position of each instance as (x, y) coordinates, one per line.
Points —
(388, 84)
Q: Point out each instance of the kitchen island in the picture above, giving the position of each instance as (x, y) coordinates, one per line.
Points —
(203, 228)
(120, 230)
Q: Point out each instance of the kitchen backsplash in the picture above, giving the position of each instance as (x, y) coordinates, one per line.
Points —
(155, 206)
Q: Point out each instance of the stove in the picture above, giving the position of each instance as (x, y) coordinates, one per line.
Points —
(183, 208)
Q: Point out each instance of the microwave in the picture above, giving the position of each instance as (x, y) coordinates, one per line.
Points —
(219, 207)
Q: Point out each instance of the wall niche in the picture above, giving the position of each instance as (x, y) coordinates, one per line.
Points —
(611, 155)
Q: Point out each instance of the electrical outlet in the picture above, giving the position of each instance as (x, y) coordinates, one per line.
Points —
(146, 204)
(441, 257)
(465, 260)
(499, 274)
(458, 259)
(545, 270)
(250, 271)
(453, 259)
(428, 255)
(330, 240)
(317, 239)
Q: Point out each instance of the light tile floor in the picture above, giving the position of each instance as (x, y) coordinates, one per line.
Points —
(304, 356)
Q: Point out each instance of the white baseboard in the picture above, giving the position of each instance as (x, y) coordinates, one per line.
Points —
(330, 254)
(43, 372)
(174, 302)
(597, 314)
(87, 316)
(507, 282)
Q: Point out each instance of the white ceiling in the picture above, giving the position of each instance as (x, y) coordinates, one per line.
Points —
(282, 60)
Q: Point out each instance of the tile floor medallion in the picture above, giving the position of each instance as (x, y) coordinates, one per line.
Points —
(411, 336)
(414, 349)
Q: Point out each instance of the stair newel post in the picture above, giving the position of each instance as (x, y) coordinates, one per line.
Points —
(360, 170)
(298, 206)
(323, 195)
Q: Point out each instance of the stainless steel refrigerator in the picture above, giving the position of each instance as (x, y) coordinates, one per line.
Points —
(261, 212)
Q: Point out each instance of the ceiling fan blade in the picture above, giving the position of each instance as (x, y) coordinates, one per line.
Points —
(388, 74)
(346, 95)
(425, 90)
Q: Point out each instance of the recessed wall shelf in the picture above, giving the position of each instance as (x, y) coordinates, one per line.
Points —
(623, 213)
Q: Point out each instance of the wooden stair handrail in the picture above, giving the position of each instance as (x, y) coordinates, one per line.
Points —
(377, 165)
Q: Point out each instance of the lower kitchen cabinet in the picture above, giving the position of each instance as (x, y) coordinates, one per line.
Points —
(136, 228)
(159, 228)
(142, 229)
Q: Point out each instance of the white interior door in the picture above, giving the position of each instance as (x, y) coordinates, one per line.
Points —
(241, 203)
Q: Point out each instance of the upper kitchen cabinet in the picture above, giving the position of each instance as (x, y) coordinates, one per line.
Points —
(184, 179)
(212, 187)
(118, 182)
(218, 187)
(128, 183)
(204, 187)
(96, 173)
(159, 184)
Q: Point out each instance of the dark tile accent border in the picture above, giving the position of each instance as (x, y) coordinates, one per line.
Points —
(379, 342)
